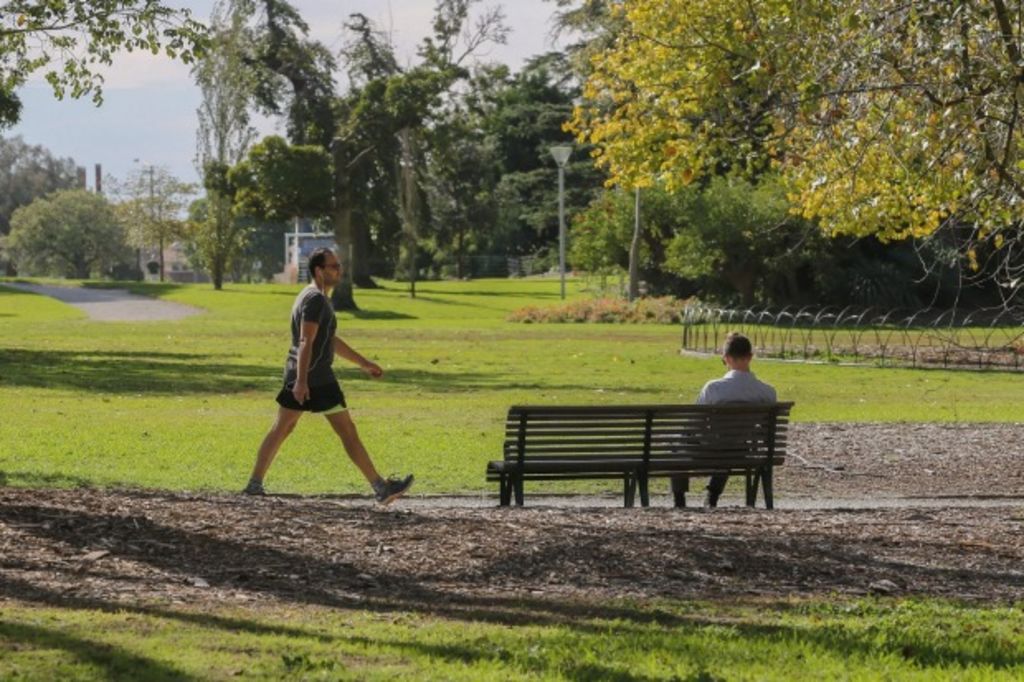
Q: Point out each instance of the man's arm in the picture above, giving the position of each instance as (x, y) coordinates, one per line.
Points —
(349, 353)
(306, 337)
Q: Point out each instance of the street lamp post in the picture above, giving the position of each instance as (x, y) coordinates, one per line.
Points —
(148, 168)
(561, 155)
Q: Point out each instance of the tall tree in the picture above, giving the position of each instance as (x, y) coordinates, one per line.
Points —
(72, 40)
(461, 173)
(223, 137)
(277, 181)
(153, 208)
(409, 200)
(889, 118)
(28, 172)
(364, 149)
(382, 125)
(216, 232)
(293, 75)
(524, 115)
(70, 233)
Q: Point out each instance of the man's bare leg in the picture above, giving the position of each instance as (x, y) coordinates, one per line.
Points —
(283, 426)
(343, 425)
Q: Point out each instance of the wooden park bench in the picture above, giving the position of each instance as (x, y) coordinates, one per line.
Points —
(635, 443)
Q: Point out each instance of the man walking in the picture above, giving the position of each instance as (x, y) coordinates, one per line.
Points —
(739, 385)
(310, 384)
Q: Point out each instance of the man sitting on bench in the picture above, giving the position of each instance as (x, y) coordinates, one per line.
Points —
(739, 385)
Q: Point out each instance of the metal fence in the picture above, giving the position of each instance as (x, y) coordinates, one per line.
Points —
(979, 339)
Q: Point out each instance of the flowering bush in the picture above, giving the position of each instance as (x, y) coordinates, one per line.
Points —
(663, 310)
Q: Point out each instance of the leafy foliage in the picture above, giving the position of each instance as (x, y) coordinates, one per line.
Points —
(523, 114)
(279, 181)
(291, 74)
(739, 237)
(153, 203)
(28, 172)
(70, 233)
(887, 118)
(72, 40)
(223, 138)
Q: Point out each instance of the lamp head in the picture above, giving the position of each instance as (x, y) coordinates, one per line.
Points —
(561, 154)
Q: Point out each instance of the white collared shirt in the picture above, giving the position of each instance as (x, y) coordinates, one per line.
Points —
(736, 387)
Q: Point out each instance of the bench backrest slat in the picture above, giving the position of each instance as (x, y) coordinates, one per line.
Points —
(647, 432)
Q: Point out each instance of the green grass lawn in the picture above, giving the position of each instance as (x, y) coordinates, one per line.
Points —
(858, 640)
(183, 405)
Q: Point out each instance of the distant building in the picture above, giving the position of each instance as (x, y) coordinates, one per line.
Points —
(177, 267)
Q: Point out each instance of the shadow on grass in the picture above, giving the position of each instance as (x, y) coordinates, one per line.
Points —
(443, 381)
(302, 574)
(229, 289)
(130, 372)
(377, 315)
(152, 289)
(15, 291)
(487, 294)
(442, 301)
(115, 662)
(121, 372)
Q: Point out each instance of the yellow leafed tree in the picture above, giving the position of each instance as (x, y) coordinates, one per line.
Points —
(886, 117)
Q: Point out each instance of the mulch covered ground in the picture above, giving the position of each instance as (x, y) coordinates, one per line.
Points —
(88, 546)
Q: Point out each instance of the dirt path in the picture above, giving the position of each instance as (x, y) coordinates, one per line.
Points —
(108, 547)
(112, 305)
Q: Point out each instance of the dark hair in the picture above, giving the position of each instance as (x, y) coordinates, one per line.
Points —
(316, 260)
(737, 346)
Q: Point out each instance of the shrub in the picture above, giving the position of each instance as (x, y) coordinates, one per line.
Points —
(663, 310)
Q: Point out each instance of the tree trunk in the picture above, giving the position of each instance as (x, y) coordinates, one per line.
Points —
(460, 253)
(361, 256)
(634, 252)
(217, 273)
(343, 297)
(408, 188)
(412, 267)
(744, 282)
(161, 259)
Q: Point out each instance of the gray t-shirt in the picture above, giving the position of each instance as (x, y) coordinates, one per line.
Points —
(736, 387)
(311, 305)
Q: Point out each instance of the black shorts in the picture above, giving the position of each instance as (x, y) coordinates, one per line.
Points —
(326, 398)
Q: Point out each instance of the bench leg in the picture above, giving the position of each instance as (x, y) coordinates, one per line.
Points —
(753, 480)
(519, 490)
(505, 490)
(645, 496)
(766, 485)
(628, 490)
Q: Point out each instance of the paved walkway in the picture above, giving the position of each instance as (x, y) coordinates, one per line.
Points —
(112, 305)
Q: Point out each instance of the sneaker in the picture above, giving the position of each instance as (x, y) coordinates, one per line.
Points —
(387, 490)
(254, 488)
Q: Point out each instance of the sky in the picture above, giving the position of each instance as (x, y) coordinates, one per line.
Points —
(148, 115)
